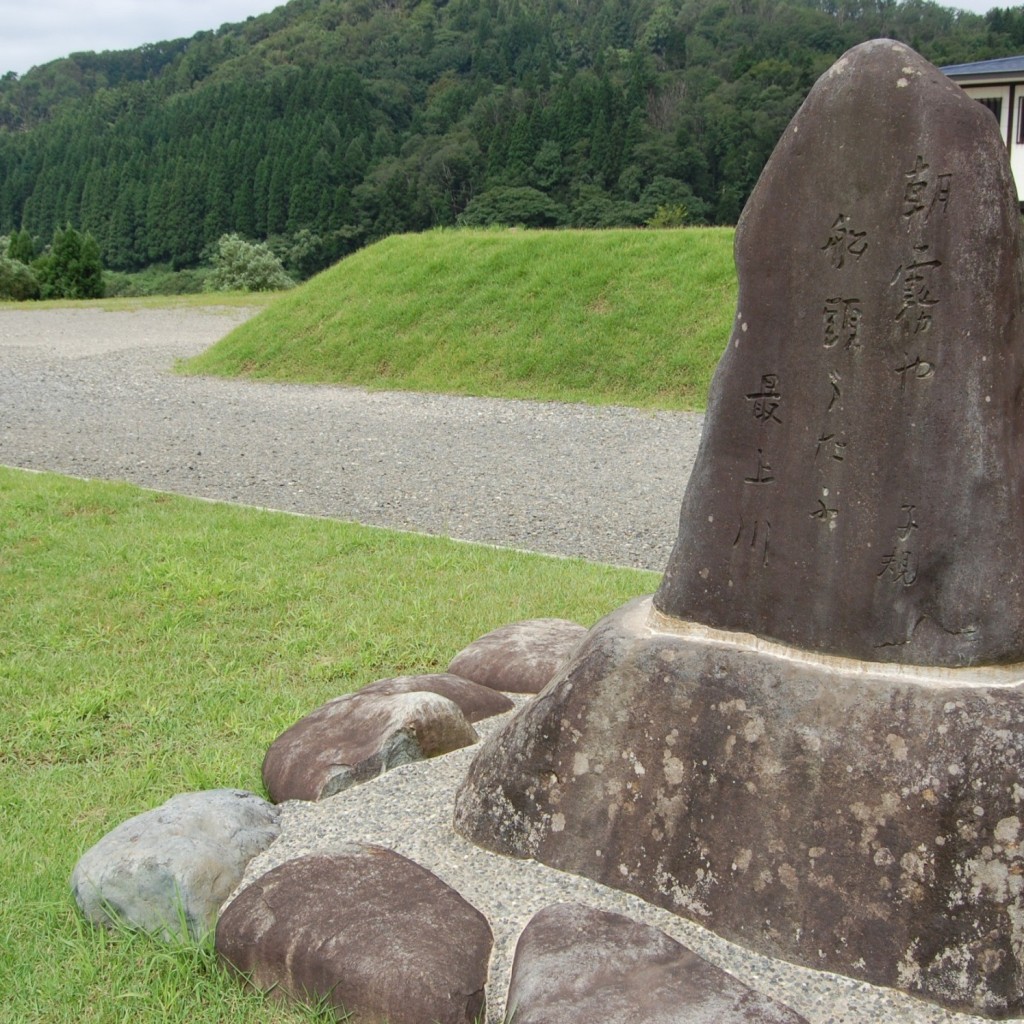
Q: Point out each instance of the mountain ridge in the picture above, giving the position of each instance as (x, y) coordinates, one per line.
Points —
(326, 124)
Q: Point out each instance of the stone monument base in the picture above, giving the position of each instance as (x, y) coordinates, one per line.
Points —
(854, 817)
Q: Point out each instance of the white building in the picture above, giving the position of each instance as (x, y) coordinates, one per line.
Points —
(999, 85)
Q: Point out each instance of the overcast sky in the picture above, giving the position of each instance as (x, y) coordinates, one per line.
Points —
(36, 31)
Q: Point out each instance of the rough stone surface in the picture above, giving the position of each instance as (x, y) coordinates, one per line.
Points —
(174, 865)
(475, 701)
(521, 657)
(368, 930)
(865, 819)
(858, 487)
(578, 965)
(359, 736)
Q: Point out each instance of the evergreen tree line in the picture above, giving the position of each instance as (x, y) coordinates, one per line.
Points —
(69, 268)
(330, 123)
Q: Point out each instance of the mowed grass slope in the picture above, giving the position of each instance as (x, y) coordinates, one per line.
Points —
(634, 317)
(150, 645)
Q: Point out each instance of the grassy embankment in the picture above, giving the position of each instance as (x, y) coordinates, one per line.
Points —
(151, 644)
(629, 317)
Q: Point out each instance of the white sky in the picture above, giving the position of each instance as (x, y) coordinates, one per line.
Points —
(36, 31)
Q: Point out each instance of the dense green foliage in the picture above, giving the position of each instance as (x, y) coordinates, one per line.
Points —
(69, 268)
(153, 645)
(17, 281)
(244, 266)
(326, 124)
(637, 317)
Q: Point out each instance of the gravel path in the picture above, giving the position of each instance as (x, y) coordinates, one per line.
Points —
(91, 393)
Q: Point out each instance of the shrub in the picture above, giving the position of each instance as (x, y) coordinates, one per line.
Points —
(239, 265)
(17, 281)
(156, 280)
(512, 206)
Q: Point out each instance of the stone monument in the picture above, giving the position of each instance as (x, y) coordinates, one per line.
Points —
(811, 740)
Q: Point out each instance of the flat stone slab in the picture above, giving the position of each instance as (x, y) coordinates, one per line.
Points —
(167, 871)
(476, 702)
(357, 737)
(521, 657)
(365, 929)
(859, 818)
(578, 965)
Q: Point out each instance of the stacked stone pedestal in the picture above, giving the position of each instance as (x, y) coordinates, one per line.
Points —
(860, 818)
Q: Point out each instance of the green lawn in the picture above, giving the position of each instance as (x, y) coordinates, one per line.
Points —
(151, 644)
(635, 317)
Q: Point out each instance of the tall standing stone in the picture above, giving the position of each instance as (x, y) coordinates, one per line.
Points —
(858, 487)
(810, 742)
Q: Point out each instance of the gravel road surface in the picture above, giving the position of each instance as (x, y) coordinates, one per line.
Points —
(93, 394)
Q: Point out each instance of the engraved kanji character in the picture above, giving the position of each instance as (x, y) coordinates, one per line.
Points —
(841, 319)
(837, 449)
(843, 240)
(834, 379)
(767, 400)
(916, 369)
(760, 533)
(899, 567)
(916, 188)
(763, 473)
(919, 185)
(916, 293)
(824, 513)
(903, 532)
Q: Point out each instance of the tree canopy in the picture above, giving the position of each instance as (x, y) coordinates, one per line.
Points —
(327, 124)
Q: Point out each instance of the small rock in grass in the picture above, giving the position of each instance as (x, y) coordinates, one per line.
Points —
(365, 929)
(167, 871)
(521, 657)
(355, 738)
(476, 702)
(578, 965)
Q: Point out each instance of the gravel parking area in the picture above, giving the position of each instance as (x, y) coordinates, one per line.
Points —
(92, 394)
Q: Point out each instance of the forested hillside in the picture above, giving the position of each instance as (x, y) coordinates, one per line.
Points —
(326, 124)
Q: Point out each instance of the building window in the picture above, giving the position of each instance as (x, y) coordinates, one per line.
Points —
(995, 104)
(1020, 121)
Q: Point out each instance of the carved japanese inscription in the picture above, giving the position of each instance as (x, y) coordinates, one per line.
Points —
(858, 490)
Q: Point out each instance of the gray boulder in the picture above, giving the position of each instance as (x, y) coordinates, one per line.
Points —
(577, 965)
(521, 657)
(355, 738)
(367, 930)
(168, 871)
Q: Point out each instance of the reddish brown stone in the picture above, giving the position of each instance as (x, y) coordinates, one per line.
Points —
(475, 701)
(357, 737)
(858, 489)
(521, 657)
(365, 929)
(577, 965)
